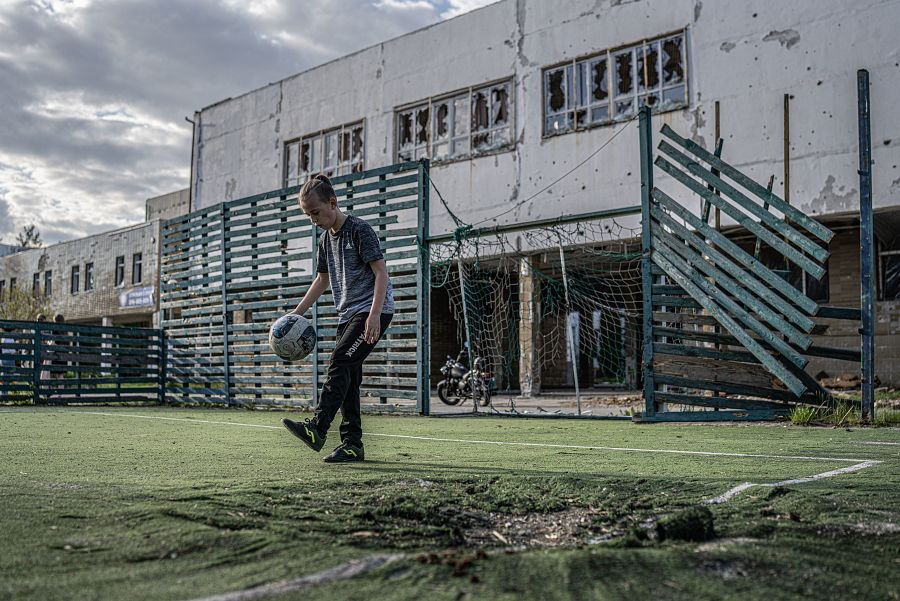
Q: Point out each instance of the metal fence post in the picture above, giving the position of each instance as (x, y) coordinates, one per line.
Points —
(223, 216)
(423, 311)
(36, 365)
(163, 364)
(646, 136)
(866, 247)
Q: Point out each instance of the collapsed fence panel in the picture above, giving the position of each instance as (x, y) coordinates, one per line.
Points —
(45, 363)
(726, 335)
(228, 271)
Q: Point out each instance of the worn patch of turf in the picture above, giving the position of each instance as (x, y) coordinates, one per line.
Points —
(112, 507)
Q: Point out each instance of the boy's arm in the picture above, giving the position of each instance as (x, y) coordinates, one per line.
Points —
(318, 286)
(373, 323)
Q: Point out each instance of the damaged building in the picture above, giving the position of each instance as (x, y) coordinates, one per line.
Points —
(508, 98)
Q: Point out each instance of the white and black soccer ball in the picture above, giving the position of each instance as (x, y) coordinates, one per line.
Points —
(292, 337)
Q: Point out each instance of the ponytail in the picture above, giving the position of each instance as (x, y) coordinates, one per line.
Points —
(320, 186)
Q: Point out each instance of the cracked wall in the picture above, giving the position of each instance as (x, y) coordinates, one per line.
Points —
(744, 54)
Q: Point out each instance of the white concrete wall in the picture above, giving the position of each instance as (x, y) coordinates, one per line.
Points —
(744, 53)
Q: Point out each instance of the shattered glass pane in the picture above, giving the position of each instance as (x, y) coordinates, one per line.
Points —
(315, 165)
(441, 121)
(648, 78)
(422, 126)
(581, 117)
(624, 109)
(673, 97)
(405, 129)
(479, 111)
(599, 83)
(651, 100)
(624, 73)
(305, 156)
(558, 123)
(357, 144)
(480, 140)
(672, 60)
(499, 105)
(556, 91)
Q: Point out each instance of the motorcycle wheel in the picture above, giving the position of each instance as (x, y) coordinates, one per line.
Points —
(444, 396)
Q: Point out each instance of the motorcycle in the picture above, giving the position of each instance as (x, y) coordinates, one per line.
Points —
(458, 379)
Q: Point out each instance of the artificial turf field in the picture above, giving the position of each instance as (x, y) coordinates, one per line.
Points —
(181, 504)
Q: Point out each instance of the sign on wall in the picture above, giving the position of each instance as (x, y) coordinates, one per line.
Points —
(136, 297)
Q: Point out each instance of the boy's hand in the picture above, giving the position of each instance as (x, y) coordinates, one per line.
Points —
(373, 329)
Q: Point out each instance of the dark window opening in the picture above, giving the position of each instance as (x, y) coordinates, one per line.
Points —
(75, 277)
(120, 271)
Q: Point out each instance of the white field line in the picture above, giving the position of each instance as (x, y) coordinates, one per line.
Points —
(506, 443)
(730, 494)
(877, 442)
(341, 572)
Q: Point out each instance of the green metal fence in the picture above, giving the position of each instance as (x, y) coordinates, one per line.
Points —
(65, 363)
(229, 270)
(725, 336)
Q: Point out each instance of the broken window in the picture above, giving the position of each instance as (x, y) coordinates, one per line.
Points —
(350, 152)
(558, 100)
(413, 134)
(673, 87)
(625, 76)
(578, 95)
(490, 118)
(334, 152)
(452, 127)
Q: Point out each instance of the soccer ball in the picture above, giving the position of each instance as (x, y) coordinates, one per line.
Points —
(292, 337)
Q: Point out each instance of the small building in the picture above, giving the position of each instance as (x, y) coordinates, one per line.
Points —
(104, 279)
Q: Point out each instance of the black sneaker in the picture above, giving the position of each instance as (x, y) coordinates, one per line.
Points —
(307, 432)
(346, 452)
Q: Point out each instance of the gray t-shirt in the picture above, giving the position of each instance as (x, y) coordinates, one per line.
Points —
(345, 257)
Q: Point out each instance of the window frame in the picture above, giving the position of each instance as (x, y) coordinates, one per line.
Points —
(48, 283)
(428, 148)
(573, 69)
(137, 264)
(88, 276)
(120, 276)
(318, 140)
(75, 279)
(36, 285)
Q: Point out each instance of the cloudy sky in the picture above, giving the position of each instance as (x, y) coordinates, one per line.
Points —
(93, 93)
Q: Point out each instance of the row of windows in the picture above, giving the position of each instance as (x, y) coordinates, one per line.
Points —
(75, 277)
(600, 89)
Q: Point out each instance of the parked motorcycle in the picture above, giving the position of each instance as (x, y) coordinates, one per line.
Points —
(457, 383)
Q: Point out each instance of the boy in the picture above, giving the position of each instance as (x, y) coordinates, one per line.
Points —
(349, 259)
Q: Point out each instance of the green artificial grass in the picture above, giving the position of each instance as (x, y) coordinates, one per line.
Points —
(120, 507)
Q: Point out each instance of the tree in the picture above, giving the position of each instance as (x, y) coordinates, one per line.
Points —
(29, 237)
(19, 305)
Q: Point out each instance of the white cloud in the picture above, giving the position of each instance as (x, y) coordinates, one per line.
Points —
(94, 92)
(458, 7)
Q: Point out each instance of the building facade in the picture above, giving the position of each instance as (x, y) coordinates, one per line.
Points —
(509, 98)
(105, 279)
